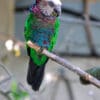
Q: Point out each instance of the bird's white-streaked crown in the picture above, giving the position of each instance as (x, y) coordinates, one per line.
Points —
(48, 7)
(56, 2)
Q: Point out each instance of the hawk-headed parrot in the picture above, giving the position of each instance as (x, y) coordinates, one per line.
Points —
(41, 28)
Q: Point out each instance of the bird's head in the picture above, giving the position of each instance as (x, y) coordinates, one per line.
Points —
(50, 7)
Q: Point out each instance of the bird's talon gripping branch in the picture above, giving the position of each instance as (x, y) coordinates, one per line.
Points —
(34, 46)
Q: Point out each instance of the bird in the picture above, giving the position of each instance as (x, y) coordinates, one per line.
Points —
(95, 72)
(42, 28)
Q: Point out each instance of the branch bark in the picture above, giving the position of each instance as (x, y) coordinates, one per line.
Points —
(88, 28)
(65, 63)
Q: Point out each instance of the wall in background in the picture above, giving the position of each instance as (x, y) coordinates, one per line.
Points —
(7, 17)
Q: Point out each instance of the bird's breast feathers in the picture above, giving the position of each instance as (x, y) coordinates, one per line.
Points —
(42, 33)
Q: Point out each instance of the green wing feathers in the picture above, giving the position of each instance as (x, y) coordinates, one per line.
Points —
(28, 26)
(55, 35)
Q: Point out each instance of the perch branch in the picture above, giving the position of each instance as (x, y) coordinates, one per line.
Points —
(66, 64)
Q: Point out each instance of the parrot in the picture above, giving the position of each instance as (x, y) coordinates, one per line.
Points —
(42, 28)
(95, 72)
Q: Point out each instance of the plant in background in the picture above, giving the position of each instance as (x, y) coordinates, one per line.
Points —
(17, 93)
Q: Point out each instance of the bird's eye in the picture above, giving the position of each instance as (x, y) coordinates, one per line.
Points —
(51, 4)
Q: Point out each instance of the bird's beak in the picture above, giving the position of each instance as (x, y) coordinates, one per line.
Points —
(57, 11)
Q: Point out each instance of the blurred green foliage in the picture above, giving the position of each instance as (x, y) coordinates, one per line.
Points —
(17, 93)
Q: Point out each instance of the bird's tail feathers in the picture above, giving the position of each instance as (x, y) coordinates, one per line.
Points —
(35, 75)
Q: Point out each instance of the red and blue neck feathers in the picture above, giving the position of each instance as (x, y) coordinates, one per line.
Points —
(36, 10)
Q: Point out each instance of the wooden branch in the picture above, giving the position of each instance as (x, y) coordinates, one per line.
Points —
(88, 28)
(66, 64)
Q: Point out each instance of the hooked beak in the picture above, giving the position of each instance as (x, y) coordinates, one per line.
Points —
(57, 11)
